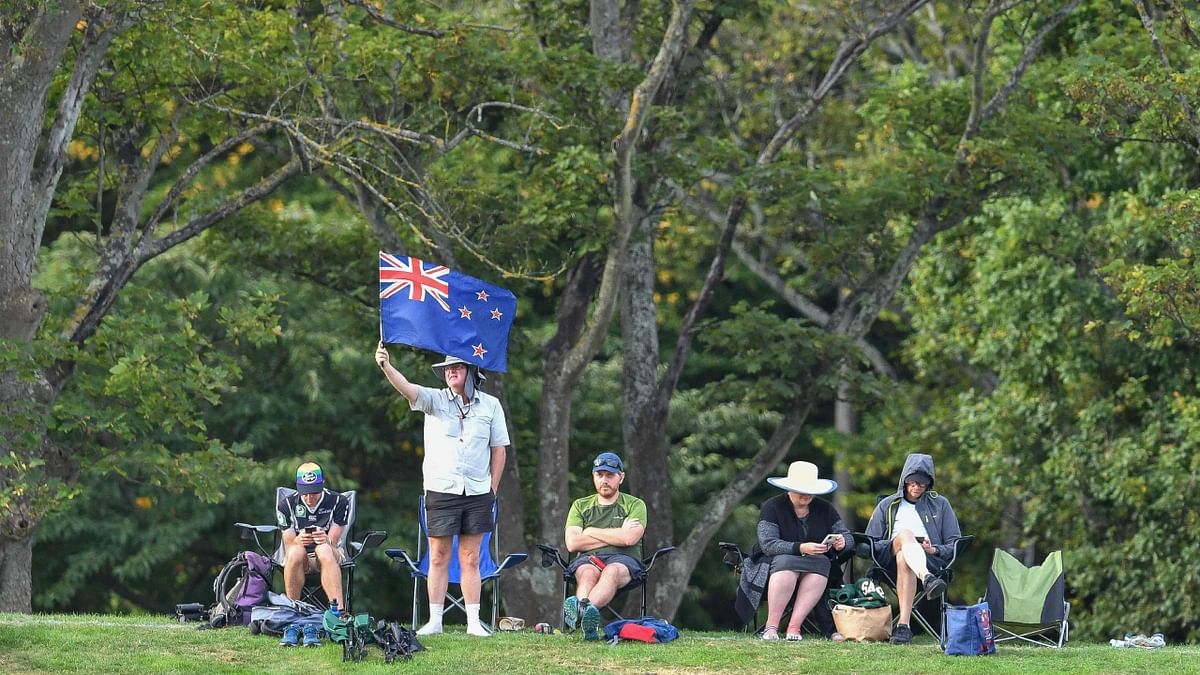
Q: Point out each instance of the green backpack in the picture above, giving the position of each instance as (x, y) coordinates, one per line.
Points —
(862, 593)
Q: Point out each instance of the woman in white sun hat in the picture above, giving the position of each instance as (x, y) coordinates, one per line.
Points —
(790, 563)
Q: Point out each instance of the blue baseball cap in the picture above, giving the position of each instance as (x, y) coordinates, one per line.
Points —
(309, 478)
(608, 461)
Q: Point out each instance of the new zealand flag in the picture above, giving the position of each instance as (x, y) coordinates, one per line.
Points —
(430, 306)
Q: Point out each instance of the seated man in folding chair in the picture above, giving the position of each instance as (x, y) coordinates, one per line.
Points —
(311, 521)
(466, 438)
(605, 531)
(914, 531)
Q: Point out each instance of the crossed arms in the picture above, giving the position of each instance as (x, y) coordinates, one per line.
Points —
(592, 538)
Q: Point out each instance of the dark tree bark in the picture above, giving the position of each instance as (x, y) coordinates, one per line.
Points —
(32, 155)
(31, 160)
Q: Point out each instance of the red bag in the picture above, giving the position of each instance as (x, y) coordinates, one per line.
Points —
(632, 631)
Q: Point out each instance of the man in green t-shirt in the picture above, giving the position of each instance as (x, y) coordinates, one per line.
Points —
(605, 531)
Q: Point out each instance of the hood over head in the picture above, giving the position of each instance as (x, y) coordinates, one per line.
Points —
(916, 462)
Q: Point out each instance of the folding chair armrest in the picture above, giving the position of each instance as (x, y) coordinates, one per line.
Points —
(252, 532)
(961, 544)
(649, 562)
(512, 560)
(370, 540)
(734, 555)
(865, 542)
(840, 557)
(265, 529)
(551, 556)
(400, 555)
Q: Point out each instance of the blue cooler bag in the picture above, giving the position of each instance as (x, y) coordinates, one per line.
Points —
(969, 630)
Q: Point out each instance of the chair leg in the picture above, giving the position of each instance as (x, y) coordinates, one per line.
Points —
(562, 619)
(495, 603)
(416, 607)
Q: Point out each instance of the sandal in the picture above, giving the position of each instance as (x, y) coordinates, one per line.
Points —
(794, 637)
(770, 633)
(510, 623)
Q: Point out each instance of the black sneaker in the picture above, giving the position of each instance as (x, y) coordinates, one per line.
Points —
(934, 586)
(902, 635)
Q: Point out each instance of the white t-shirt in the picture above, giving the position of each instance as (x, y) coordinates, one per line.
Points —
(459, 440)
(907, 518)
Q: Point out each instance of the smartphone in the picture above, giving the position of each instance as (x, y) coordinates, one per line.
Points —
(920, 540)
(310, 529)
(829, 540)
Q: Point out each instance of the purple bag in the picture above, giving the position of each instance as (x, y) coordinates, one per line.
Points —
(243, 584)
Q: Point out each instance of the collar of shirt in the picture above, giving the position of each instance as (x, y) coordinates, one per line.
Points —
(454, 398)
(313, 510)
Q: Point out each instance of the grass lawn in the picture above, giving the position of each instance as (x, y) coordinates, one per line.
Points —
(65, 643)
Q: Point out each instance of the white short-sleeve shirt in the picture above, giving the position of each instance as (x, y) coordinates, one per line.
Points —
(459, 440)
(907, 518)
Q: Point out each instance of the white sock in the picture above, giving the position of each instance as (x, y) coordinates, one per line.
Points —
(435, 620)
(474, 626)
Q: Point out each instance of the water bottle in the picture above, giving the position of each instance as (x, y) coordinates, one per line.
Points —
(333, 607)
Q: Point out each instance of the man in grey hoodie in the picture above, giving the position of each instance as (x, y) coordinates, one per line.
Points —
(914, 531)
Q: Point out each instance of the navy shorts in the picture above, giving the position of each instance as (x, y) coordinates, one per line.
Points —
(637, 574)
(447, 515)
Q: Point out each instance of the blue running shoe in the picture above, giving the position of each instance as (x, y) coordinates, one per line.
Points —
(570, 613)
(291, 635)
(591, 623)
(312, 638)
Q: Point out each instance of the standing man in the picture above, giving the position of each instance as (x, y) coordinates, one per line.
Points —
(312, 522)
(465, 442)
(915, 531)
(605, 530)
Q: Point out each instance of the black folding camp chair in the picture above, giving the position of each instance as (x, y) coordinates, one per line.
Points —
(489, 569)
(551, 557)
(886, 574)
(312, 591)
(1028, 603)
(820, 620)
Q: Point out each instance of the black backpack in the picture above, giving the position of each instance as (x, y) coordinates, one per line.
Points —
(243, 584)
(397, 642)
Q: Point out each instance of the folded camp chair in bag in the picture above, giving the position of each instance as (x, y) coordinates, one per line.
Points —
(880, 572)
(551, 557)
(1028, 603)
(489, 570)
(820, 619)
(312, 591)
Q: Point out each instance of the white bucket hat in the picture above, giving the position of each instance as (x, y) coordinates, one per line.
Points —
(802, 478)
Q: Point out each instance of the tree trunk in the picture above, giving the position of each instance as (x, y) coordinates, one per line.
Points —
(846, 422)
(16, 569)
(33, 45)
(670, 584)
(644, 426)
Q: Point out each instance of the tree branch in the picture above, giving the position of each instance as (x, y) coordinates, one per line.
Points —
(1148, 23)
(201, 223)
(624, 148)
(392, 23)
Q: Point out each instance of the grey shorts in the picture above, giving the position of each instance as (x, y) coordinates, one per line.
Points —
(636, 573)
(447, 515)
